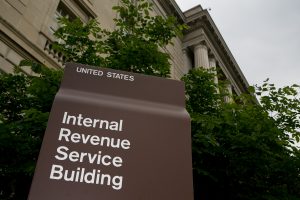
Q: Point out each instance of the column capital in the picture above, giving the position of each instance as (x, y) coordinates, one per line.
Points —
(200, 45)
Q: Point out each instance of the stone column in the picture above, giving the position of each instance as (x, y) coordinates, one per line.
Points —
(228, 98)
(213, 65)
(201, 56)
(185, 61)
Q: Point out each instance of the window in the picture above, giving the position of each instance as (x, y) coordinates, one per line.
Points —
(61, 11)
(72, 9)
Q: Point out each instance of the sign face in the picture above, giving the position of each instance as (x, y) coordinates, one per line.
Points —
(115, 135)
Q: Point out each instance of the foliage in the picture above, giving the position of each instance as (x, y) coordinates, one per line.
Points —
(240, 150)
(81, 43)
(25, 101)
(138, 36)
(202, 104)
(208, 100)
(283, 104)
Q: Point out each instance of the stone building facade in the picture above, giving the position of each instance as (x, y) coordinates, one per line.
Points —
(27, 28)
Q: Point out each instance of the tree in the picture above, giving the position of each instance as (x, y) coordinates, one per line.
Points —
(239, 149)
(25, 101)
(138, 36)
(283, 105)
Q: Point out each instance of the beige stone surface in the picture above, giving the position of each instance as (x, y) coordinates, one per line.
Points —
(6, 66)
(28, 27)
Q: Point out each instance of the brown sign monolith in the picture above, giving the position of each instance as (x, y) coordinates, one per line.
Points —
(115, 135)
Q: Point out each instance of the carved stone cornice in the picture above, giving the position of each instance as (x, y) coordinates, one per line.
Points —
(200, 22)
(171, 8)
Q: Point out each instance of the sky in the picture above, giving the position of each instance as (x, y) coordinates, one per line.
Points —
(262, 35)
